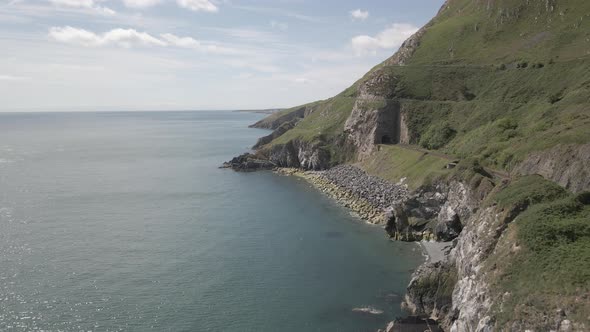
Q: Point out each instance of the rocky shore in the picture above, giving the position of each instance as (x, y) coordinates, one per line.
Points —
(367, 196)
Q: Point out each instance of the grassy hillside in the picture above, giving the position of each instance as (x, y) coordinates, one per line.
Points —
(395, 163)
(494, 80)
(473, 31)
(544, 260)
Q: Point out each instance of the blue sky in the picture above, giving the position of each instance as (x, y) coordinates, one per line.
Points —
(193, 54)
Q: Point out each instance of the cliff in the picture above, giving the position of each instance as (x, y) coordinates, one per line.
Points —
(483, 115)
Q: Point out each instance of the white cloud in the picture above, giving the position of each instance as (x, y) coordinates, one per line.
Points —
(74, 3)
(128, 38)
(83, 4)
(277, 12)
(279, 25)
(198, 5)
(389, 38)
(302, 80)
(119, 37)
(359, 15)
(185, 42)
(11, 78)
(140, 3)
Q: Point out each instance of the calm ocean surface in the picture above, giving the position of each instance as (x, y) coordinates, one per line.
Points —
(123, 222)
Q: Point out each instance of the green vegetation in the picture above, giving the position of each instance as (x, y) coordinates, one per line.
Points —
(394, 163)
(438, 286)
(514, 112)
(437, 136)
(484, 32)
(545, 263)
(493, 81)
(323, 124)
(529, 190)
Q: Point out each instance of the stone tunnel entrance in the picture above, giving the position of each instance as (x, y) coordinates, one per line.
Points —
(388, 129)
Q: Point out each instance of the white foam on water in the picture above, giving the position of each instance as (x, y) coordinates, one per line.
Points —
(368, 310)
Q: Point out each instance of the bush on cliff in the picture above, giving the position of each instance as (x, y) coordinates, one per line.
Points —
(437, 136)
(548, 265)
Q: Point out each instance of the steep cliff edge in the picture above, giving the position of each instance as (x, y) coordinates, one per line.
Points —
(484, 115)
(520, 263)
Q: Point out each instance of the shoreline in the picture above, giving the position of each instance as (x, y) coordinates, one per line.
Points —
(432, 251)
(357, 205)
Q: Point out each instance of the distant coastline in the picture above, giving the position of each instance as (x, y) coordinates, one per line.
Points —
(263, 111)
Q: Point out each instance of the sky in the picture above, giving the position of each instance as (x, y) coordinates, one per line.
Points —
(193, 54)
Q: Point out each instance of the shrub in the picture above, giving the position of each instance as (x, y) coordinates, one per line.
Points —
(528, 190)
(437, 136)
(583, 197)
(506, 124)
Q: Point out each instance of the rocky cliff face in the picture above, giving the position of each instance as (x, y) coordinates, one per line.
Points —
(455, 292)
(299, 154)
(568, 165)
(437, 212)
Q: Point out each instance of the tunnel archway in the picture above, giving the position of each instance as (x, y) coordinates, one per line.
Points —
(386, 139)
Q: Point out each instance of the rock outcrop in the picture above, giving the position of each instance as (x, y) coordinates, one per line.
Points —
(436, 212)
(283, 128)
(567, 165)
(248, 162)
(276, 120)
(299, 154)
(430, 291)
(373, 121)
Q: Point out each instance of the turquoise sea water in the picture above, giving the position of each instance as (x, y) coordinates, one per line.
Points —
(123, 222)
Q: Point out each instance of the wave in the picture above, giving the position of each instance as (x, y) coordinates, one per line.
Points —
(368, 310)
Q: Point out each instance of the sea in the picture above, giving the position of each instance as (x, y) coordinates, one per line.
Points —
(123, 221)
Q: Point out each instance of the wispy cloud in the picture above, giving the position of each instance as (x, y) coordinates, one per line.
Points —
(119, 37)
(246, 34)
(279, 25)
(128, 38)
(140, 3)
(186, 42)
(302, 80)
(85, 4)
(198, 5)
(278, 12)
(12, 78)
(391, 37)
(359, 15)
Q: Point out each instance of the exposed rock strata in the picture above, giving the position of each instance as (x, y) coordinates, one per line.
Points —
(299, 154)
(248, 162)
(567, 165)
